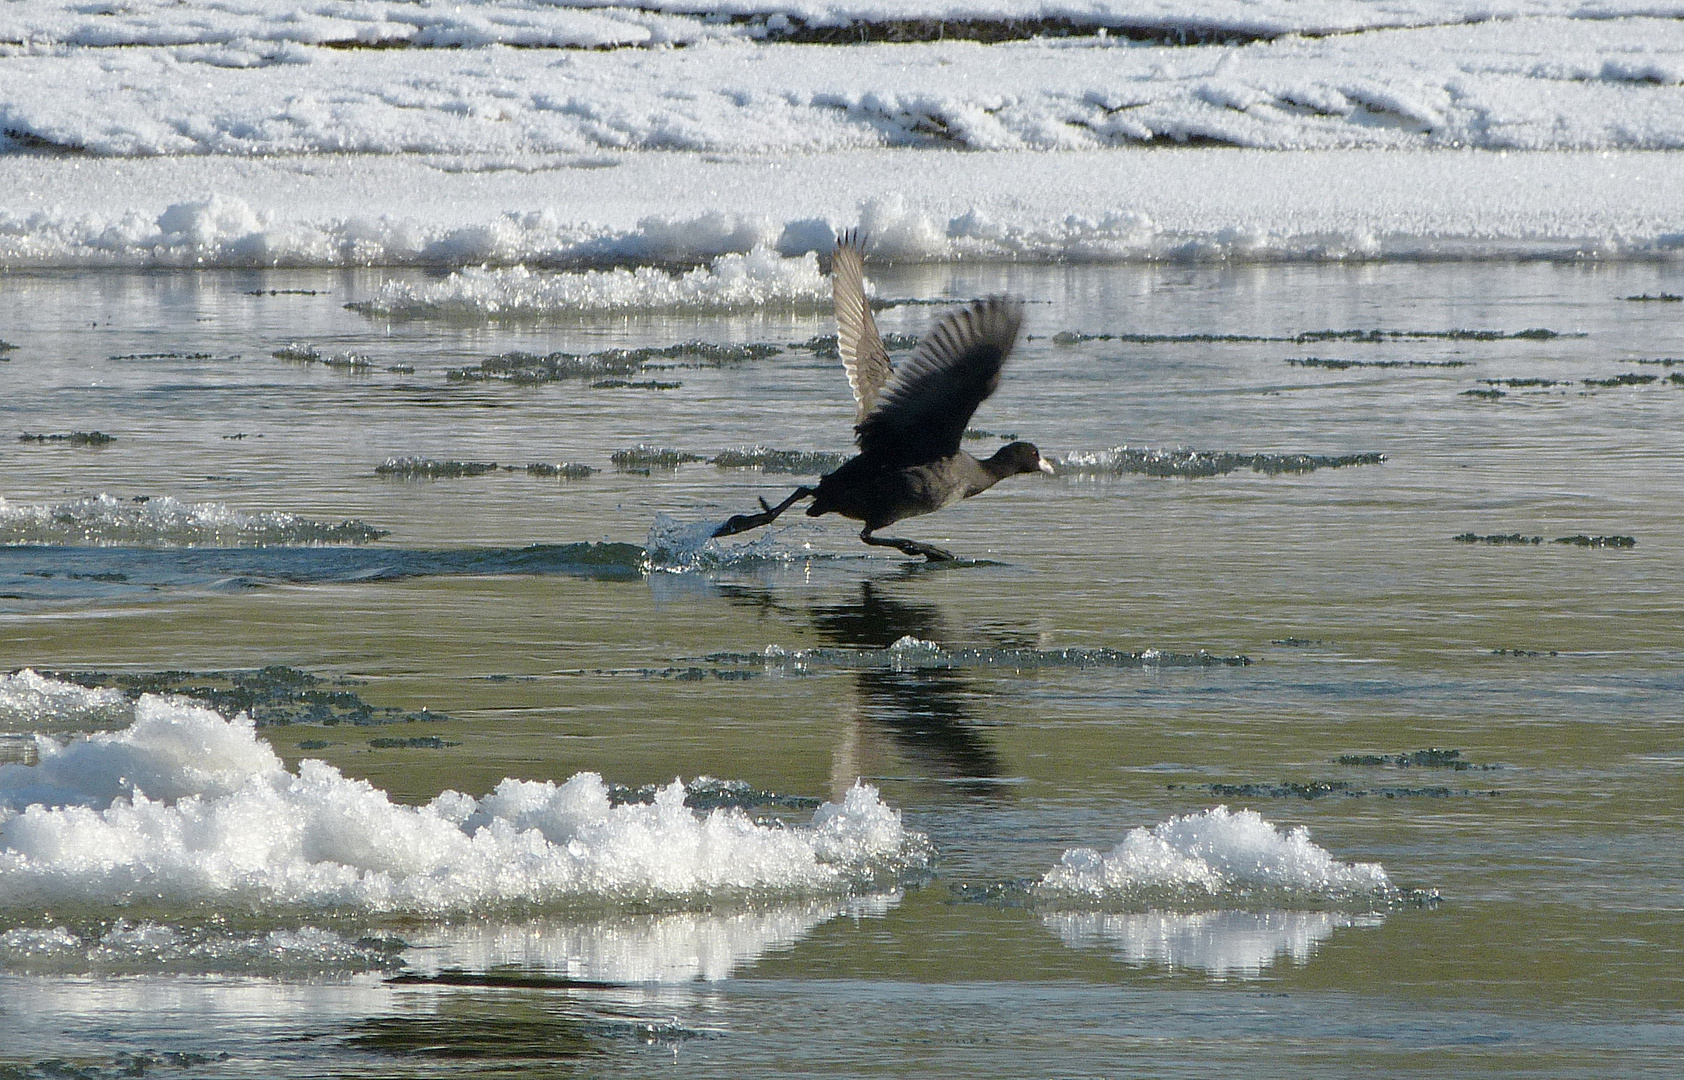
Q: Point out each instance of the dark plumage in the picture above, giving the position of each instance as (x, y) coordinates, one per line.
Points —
(910, 421)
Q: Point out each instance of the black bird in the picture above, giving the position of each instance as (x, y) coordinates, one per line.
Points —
(910, 421)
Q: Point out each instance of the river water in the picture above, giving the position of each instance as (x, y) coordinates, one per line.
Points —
(1417, 591)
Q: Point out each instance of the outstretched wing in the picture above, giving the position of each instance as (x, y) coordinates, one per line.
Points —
(923, 411)
(863, 356)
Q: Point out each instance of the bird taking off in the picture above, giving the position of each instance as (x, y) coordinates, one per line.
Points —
(910, 420)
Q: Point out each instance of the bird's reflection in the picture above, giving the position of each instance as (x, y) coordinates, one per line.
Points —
(918, 718)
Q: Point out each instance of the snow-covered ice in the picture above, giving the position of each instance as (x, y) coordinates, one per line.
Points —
(266, 133)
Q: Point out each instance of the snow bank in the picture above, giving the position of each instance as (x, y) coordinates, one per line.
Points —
(666, 209)
(1217, 853)
(185, 806)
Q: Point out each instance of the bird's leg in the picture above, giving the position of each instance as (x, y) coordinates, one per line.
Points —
(911, 547)
(768, 514)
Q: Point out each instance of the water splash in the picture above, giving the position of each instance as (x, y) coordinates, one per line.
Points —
(105, 520)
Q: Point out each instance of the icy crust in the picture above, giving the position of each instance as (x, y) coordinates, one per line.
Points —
(1232, 856)
(1221, 944)
(166, 522)
(187, 807)
(31, 701)
(758, 279)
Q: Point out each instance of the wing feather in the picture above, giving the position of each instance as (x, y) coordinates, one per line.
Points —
(857, 340)
(921, 414)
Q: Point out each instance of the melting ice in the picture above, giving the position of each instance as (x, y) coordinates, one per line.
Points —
(1219, 853)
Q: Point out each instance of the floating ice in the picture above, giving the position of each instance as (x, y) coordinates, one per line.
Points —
(187, 807)
(32, 702)
(1233, 855)
(1223, 944)
(758, 279)
(1189, 463)
(105, 520)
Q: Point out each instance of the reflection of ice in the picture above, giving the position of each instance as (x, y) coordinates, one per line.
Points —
(674, 947)
(1225, 944)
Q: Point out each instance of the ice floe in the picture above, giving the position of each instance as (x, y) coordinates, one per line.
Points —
(188, 807)
(1233, 855)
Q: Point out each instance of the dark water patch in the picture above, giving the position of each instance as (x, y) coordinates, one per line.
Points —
(6, 346)
(401, 369)
(691, 673)
(174, 356)
(73, 438)
(915, 655)
(42, 573)
(1297, 642)
(1484, 395)
(1628, 378)
(313, 744)
(286, 292)
(767, 459)
(1584, 541)
(274, 696)
(1663, 298)
(1322, 789)
(629, 384)
(1430, 758)
(1662, 361)
(977, 434)
(1520, 384)
(1190, 464)
(302, 353)
(1073, 337)
(424, 742)
(1676, 379)
(1524, 652)
(708, 793)
(1341, 365)
(644, 457)
(1496, 538)
(824, 345)
(529, 1035)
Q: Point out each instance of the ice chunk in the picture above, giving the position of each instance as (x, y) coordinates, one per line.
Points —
(186, 806)
(1216, 853)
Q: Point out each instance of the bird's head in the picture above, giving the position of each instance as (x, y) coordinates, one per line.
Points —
(1019, 457)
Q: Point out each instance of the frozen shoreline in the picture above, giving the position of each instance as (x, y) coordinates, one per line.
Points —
(675, 208)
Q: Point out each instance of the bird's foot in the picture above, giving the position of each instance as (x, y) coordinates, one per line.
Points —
(911, 547)
(738, 523)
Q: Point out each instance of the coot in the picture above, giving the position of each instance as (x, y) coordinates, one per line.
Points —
(910, 421)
